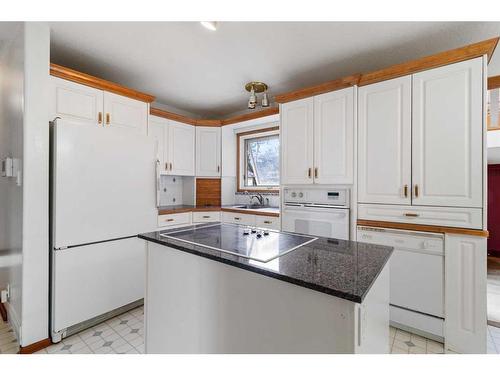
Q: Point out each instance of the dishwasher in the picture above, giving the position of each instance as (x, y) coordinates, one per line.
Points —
(416, 278)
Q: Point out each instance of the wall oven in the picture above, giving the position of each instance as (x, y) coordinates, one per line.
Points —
(316, 211)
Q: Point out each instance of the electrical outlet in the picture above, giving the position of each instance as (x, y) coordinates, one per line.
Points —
(6, 294)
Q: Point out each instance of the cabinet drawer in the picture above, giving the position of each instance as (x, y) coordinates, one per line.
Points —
(174, 219)
(237, 218)
(441, 216)
(270, 222)
(207, 216)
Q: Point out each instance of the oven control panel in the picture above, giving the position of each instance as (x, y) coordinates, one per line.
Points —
(336, 197)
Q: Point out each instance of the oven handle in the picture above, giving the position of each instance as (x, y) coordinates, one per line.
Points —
(313, 210)
(324, 206)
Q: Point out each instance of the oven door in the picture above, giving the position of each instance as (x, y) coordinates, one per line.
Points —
(316, 221)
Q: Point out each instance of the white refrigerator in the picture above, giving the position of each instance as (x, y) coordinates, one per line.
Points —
(103, 193)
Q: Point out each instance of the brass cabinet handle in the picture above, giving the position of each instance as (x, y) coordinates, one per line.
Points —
(206, 217)
(409, 214)
(316, 172)
(169, 220)
(309, 173)
(406, 191)
(416, 191)
(218, 168)
(166, 166)
(171, 166)
(99, 118)
(237, 218)
(108, 118)
(267, 222)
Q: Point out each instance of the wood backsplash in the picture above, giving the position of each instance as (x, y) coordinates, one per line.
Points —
(208, 192)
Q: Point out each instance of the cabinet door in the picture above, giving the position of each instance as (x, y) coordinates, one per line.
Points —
(297, 142)
(157, 127)
(465, 297)
(208, 153)
(125, 113)
(181, 138)
(384, 142)
(448, 135)
(334, 137)
(75, 102)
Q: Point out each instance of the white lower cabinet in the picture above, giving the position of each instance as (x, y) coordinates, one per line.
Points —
(173, 220)
(205, 216)
(270, 222)
(260, 221)
(238, 218)
(465, 297)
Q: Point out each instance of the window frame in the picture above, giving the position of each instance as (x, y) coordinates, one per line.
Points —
(240, 150)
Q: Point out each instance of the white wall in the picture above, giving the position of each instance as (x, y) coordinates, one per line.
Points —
(24, 210)
(35, 298)
(11, 145)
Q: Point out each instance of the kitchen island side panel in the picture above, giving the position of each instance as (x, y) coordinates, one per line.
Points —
(196, 305)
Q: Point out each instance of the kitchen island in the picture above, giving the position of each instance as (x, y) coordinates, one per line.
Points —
(214, 288)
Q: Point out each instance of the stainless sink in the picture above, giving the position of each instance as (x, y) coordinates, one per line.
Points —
(252, 206)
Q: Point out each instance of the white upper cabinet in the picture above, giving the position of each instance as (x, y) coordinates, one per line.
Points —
(384, 142)
(157, 127)
(75, 102)
(208, 151)
(175, 145)
(180, 145)
(334, 137)
(125, 113)
(86, 105)
(448, 135)
(297, 141)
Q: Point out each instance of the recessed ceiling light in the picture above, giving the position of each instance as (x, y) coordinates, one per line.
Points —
(210, 25)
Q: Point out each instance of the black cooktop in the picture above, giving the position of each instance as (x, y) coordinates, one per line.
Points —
(249, 242)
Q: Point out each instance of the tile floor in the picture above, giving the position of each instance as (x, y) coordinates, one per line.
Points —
(125, 334)
(8, 340)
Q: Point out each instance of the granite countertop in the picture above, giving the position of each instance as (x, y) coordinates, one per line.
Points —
(344, 269)
(176, 209)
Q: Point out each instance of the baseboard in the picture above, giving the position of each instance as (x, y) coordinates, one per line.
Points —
(35, 347)
(3, 312)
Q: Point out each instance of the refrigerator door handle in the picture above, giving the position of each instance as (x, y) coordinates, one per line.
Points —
(157, 177)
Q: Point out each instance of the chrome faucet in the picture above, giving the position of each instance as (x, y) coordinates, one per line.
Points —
(259, 197)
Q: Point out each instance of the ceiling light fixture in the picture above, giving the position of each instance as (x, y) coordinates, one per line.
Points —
(210, 25)
(254, 88)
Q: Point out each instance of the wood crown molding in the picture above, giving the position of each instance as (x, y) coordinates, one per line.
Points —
(423, 228)
(214, 123)
(322, 88)
(98, 83)
(493, 83)
(35, 347)
(251, 116)
(172, 116)
(486, 47)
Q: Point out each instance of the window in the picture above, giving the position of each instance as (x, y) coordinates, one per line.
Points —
(258, 160)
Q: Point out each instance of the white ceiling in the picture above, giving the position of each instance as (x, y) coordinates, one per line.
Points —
(203, 72)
